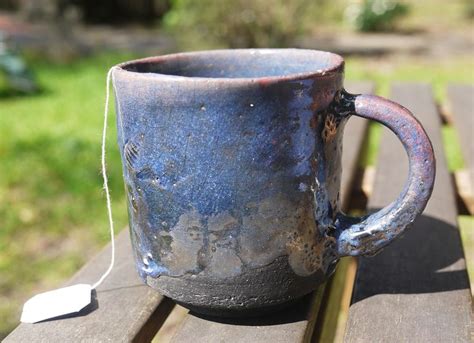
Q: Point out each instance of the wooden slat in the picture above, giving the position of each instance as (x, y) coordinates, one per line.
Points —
(417, 289)
(124, 310)
(297, 323)
(461, 104)
(288, 326)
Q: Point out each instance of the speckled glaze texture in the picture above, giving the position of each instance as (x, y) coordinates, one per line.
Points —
(232, 165)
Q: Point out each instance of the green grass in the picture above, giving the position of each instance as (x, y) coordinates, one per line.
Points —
(452, 148)
(52, 208)
(437, 73)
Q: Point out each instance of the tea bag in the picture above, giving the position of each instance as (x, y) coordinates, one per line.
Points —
(72, 299)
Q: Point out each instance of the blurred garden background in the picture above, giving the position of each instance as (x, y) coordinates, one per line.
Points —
(54, 56)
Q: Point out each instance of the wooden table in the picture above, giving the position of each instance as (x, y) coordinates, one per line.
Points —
(416, 290)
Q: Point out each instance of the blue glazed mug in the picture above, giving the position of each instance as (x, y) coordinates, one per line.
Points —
(232, 165)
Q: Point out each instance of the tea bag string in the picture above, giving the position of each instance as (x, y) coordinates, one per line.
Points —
(106, 181)
(71, 299)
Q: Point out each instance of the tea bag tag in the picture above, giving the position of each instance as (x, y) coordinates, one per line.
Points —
(56, 303)
(72, 299)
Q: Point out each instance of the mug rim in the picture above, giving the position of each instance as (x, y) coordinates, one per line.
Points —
(335, 66)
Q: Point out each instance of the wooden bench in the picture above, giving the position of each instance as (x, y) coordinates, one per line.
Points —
(416, 290)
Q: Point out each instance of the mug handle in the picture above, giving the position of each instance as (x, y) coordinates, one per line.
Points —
(367, 235)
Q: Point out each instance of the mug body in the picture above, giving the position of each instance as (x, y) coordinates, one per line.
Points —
(232, 165)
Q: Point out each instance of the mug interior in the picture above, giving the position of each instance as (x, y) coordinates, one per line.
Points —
(239, 63)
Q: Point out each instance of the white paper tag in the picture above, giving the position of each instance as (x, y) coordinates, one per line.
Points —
(56, 303)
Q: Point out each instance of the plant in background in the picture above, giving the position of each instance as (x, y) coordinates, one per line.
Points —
(469, 9)
(240, 23)
(375, 15)
(14, 73)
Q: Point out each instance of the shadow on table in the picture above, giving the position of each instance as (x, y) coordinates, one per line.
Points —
(295, 312)
(421, 261)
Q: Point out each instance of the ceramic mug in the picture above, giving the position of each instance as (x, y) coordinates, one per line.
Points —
(232, 165)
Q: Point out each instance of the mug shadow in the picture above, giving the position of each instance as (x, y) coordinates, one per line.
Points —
(294, 312)
(420, 261)
(423, 260)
